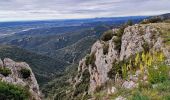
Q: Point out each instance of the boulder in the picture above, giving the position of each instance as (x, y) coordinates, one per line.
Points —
(120, 98)
(112, 90)
(129, 85)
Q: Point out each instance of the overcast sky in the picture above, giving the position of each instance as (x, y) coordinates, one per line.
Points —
(68, 9)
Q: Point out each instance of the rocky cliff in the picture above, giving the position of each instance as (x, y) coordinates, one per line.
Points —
(105, 54)
(19, 73)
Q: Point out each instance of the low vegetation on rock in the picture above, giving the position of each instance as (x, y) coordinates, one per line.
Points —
(25, 73)
(107, 35)
(13, 92)
(105, 48)
(137, 67)
(90, 59)
(5, 71)
(149, 71)
(83, 86)
(17, 81)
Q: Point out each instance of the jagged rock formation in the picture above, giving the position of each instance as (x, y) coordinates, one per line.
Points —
(16, 78)
(136, 38)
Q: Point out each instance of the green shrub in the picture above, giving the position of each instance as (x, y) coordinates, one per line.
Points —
(86, 76)
(107, 35)
(60, 95)
(159, 74)
(80, 88)
(163, 87)
(167, 97)
(119, 68)
(118, 40)
(90, 59)
(13, 92)
(87, 97)
(105, 48)
(129, 23)
(25, 73)
(146, 47)
(98, 89)
(139, 96)
(84, 84)
(116, 69)
(120, 32)
(5, 71)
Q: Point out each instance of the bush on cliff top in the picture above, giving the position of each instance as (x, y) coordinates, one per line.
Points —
(25, 73)
(107, 35)
(13, 92)
(118, 39)
(5, 71)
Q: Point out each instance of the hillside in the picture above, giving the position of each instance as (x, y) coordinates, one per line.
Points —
(43, 67)
(122, 66)
(165, 16)
(41, 45)
(47, 37)
(47, 40)
(75, 52)
(54, 52)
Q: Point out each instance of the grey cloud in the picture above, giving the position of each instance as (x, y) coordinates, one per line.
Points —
(46, 9)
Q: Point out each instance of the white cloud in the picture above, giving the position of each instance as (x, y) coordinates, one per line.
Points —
(67, 9)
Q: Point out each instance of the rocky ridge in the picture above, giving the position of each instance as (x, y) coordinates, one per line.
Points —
(135, 39)
(15, 77)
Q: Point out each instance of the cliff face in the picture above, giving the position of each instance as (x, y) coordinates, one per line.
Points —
(16, 77)
(138, 38)
(135, 39)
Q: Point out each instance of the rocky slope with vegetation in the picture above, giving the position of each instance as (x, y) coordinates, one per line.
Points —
(131, 62)
(128, 62)
(53, 49)
(17, 81)
(43, 67)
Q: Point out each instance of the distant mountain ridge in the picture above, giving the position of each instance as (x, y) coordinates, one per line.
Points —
(68, 21)
(165, 16)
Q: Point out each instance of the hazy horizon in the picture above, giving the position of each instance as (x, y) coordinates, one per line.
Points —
(19, 10)
(35, 20)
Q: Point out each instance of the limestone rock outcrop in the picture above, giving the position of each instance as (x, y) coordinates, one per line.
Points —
(16, 78)
(135, 39)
